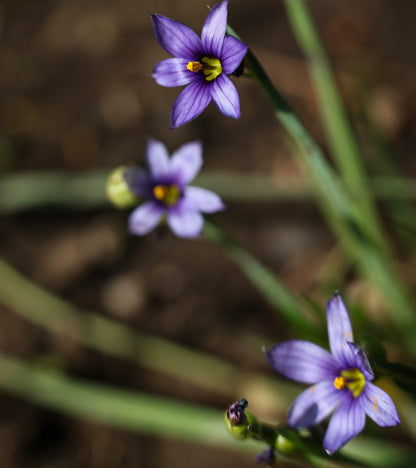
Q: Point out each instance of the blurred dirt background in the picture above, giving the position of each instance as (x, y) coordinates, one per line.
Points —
(76, 94)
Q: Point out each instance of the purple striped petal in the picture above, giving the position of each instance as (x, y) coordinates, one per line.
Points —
(200, 199)
(145, 218)
(347, 421)
(190, 103)
(176, 38)
(213, 31)
(186, 161)
(157, 159)
(339, 331)
(314, 404)
(233, 52)
(302, 361)
(379, 406)
(225, 96)
(138, 180)
(185, 223)
(172, 72)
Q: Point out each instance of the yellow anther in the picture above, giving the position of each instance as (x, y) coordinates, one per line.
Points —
(355, 381)
(194, 66)
(339, 383)
(212, 68)
(167, 194)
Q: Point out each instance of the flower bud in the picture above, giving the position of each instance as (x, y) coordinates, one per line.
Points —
(237, 420)
(118, 191)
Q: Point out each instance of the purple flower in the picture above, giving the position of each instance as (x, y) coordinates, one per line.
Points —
(341, 382)
(201, 63)
(165, 189)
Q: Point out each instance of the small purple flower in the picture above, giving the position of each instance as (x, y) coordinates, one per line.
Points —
(341, 382)
(165, 189)
(201, 63)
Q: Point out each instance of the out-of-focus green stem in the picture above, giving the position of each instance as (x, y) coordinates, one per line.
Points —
(341, 138)
(265, 281)
(115, 407)
(195, 367)
(140, 412)
(349, 222)
(36, 190)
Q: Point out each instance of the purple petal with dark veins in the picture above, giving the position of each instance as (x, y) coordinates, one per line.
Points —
(157, 159)
(190, 103)
(173, 72)
(347, 421)
(185, 223)
(213, 31)
(138, 180)
(145, 218)
(339, 331)
(233, 52)
(379, 406)
(302, 361)
(361, 361)
(314, 404)
(200, 199)
(225, 96)
(176, 38)
(186, 161)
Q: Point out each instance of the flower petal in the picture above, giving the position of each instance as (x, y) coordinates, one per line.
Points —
(302, 361)
(200, 199)
(176, 38)
(190, 103)
(157, 159)
(185, 223)
(347, 421)
(339, 331)
(233, 52)
(186, 161)
(361, 361)
(379, 406)
(145, 218)
(138, 180)
(314, 404)
(225, 96)
(173, 72)
(213, 31)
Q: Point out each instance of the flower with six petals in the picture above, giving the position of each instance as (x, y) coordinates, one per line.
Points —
(341, 382)
(165, 189)
(201, 63)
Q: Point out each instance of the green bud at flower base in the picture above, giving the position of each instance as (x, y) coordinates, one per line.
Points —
(118, 192)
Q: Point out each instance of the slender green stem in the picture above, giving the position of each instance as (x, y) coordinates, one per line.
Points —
(112, 406)
(36, 190)
(194, 367)
(341, 138)
(349, 222)
(266, 282)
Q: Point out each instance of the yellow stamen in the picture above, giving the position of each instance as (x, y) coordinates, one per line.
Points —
(194, 66)
(167, 194)
(212, 68)
(353, 379)
(339, 383)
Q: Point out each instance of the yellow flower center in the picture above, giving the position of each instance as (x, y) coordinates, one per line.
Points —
(211, 67)
(167, 194)
(353, 379)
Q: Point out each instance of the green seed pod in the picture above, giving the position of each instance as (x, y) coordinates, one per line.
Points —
(118, 192)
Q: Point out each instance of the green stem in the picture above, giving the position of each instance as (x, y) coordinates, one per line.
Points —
(345, 216)
(20, 192)
(265, 281)
(341, 138)
(194, 367)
